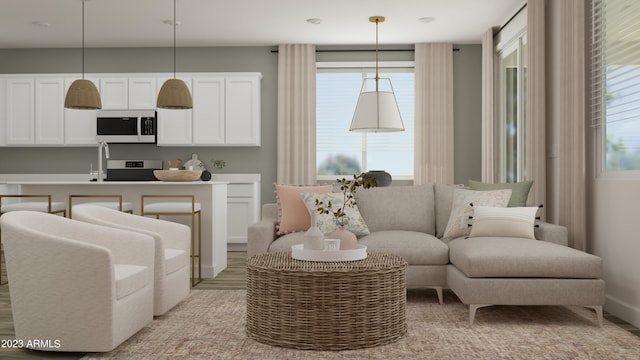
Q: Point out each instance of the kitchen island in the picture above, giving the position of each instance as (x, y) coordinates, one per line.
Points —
(212, 195)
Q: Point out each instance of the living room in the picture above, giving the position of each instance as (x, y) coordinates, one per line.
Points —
(605, 210)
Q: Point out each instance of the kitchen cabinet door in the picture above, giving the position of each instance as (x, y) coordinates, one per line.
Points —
(20, 111)
(175, 127)
(242, 110)
(49, 111)
(114, 92)
(143, 92)
(208, 110)
(3, 112)
(80, 125)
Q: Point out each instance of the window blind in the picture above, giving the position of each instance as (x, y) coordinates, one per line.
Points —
(615, 72)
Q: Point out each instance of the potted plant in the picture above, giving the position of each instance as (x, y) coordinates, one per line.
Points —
(348, 188)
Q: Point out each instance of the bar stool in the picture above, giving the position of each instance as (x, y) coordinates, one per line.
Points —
(178, 208)
(126, 207)
(47, 206)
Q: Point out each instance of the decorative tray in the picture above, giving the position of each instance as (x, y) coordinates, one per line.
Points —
(177, 175)
(298, 252)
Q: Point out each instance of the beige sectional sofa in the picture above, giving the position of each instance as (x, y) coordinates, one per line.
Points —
(410, 221)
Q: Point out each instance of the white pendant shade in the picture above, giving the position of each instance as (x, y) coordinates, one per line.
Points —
(377, 111)
(174, 94)
(83, 94)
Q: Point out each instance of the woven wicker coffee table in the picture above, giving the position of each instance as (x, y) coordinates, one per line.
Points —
(326, 305)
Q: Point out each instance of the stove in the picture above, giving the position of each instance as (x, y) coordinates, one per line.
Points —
(132, 170)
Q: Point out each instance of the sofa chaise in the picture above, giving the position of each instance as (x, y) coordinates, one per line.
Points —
(413, 221)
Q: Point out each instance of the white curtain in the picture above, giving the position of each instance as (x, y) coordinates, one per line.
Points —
(433, 138)
(296, 114)
(571, 179)
(488, 115)
(536, 116)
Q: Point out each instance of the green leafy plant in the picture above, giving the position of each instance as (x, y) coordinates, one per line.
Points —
(348, 188)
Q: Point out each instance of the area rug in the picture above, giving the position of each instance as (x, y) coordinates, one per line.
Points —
(210, 324)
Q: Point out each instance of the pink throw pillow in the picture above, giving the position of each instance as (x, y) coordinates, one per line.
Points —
(292, 213)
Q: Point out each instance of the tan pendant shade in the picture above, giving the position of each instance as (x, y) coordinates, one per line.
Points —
(174, 94)
(83, 94)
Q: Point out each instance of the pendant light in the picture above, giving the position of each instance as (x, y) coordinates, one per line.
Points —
(82, 94)
(377, 110)
(174, 93)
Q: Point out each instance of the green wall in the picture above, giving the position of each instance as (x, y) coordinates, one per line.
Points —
(74, 160)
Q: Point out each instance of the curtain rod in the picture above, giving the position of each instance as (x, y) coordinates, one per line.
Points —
(511, 18)
(363, 50)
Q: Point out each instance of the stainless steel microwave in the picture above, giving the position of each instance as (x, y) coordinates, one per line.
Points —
(127, 126)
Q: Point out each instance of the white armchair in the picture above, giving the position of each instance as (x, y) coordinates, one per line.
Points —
(172, 249)
(84, 287)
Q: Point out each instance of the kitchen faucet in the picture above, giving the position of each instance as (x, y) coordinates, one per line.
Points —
(101, 145)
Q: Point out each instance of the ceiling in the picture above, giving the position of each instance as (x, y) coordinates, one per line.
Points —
(204, 23)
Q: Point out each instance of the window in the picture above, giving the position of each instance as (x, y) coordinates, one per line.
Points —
(341, 152)
(511, 77)
(616, 84)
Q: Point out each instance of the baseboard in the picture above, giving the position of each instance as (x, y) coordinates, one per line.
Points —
(623, 310)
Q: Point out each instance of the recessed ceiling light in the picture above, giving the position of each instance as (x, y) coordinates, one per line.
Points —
(39, 23)
(426, 19)
(314, 21)
(170, 22)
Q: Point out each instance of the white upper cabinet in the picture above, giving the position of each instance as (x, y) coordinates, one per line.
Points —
(33, 113)
(20, 111)
(242, 110)
(114, 92)
(175, 127)
(226, 112)
(208, 110)
(143, 91)
(49, 125)
(226, 109)
(80, 125)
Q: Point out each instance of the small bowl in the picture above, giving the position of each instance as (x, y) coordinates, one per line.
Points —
(177, 175)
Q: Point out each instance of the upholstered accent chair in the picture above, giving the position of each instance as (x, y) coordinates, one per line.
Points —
(172, 242)
(82, 286)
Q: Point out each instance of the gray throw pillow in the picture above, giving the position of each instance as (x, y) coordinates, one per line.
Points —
(519, 190)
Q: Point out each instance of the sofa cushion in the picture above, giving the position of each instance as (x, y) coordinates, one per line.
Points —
(408, 208)
(285, 242)
(461, 208)
(519, 195)
(292, 213)
(416, 248)
(327, 223)
(443, 200)
(504, 257)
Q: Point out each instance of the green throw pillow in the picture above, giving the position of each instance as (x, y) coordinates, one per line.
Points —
(519, 194)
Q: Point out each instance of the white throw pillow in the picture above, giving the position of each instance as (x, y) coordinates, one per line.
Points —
(461, 208)
(504, 222)
(327, 222)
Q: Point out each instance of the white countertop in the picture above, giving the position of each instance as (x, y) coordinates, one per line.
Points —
(92, 183)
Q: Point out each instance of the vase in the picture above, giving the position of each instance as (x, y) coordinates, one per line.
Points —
(382, 177)
(313, 238)
(348, 240)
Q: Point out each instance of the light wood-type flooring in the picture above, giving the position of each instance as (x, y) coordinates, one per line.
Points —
(234, 277)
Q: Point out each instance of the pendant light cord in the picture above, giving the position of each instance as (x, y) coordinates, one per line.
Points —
(377, 77)
(174, 39)
(82, 39)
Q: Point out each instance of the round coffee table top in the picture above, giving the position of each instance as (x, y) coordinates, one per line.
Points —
(283, 261)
